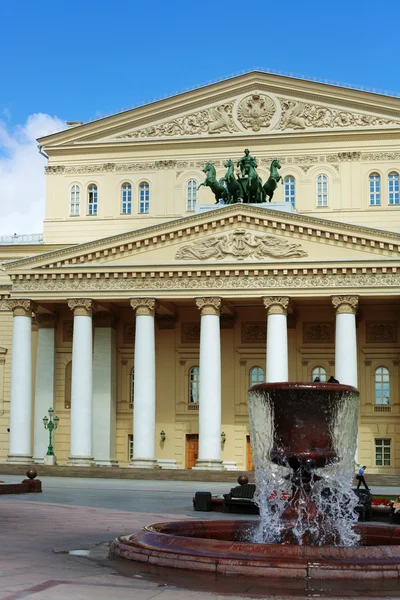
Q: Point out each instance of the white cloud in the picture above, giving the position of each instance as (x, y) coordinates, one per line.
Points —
(22, 178)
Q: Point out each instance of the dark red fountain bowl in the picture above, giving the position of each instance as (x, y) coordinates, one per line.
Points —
(303, 415)
(221, 547)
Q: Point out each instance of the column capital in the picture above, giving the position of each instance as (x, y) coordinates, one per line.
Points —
(21, 308)
(276, 305)
(46, 320)
(81, 307)
(209, 306)
(143, 306)
(345, 304)
(105, 318)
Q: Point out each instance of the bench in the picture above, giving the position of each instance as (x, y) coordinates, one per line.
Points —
(241, 497)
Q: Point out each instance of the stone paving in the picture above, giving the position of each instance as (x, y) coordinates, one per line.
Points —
(37, 532)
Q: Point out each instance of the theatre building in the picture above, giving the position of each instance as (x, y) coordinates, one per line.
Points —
(146, 310)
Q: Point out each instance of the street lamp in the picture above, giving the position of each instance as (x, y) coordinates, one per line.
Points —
(50, 424)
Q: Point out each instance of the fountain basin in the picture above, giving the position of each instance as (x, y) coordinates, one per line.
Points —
(219, 547)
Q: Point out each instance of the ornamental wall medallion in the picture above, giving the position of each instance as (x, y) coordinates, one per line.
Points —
(256, 111)
(383, 331)
(254, 332)
(190, 333)
(67, 331)
(314, 333)
(128, 333)
(241, 244)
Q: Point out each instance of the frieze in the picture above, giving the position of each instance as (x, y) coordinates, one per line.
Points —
(382, 331)
(380, 156)
(303, 115)
(190, 333)
(241, 244)
(254, 332)
(314, 333)
(259, 282)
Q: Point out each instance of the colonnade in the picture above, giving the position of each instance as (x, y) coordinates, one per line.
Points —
(93, 390)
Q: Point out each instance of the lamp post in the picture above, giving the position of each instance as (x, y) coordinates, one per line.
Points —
(50, 424)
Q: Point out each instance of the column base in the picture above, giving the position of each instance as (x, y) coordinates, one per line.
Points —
(167, 463)
(144, 463)
(50, 460)
(38, 461)
(80, 461)
(19, 459)
(229, 465)
(106, 463)
(208, 464)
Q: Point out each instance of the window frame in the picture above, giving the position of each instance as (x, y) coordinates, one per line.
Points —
(92, 201)
(130, 447)
(375, 188)
(322, 183)
(73, 202)
(393, 194)
(290, 190)
(317, 372)
(193, 383)
(132, 387)
(144, 203)
(126, 198)
(191, 194)
(257, 378)
(383, 445)
(381, 384)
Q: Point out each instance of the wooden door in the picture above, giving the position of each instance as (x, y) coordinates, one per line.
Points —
(250, 466)
(192, 449)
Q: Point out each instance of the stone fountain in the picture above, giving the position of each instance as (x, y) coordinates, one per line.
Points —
(304, 440)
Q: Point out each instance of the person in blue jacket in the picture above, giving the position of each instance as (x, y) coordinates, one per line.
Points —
(361, 479)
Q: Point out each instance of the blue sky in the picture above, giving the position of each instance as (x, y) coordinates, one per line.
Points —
(79, 60)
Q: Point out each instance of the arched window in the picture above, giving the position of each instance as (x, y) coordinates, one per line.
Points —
(374, 189)
(126, 199)
(382, 386)
(194, 385)
(322, 190)
(75, 200)
(67, 387)
(318, 372)
(290, 190)
(191, 194)
(132, 390)
(144, 197)
(394, 188)
(256, 375)
(92, 199)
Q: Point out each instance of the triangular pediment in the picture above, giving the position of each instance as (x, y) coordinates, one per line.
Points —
(252, 104)
(234, 235)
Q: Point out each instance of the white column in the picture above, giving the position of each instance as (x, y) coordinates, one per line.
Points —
(21, 383)
(104, 390)
(277, 368)
(346, 339)
(144, 391)
(81, 452)
(210, 385)
(44, 383)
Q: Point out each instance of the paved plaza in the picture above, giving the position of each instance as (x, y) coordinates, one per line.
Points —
(54, 545)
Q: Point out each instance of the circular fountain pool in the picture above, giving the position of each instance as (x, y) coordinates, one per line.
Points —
(219, 547)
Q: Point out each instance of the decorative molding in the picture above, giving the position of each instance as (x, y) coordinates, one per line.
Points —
(21, 308)
(381, 331)
(46, 320)
(276, 305)
(143, 306)
(81, 307)
(305, 115)
(190, 333)
(314, 333)
(241, 244)
(209, 306)
(254, 333)
(373, 156)
(166, 321)
(345, 304)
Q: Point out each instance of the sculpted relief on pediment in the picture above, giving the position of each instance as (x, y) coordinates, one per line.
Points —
(260, 112)
(240, 244)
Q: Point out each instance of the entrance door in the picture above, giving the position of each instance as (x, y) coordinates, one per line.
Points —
(192, 449)
(250, 466)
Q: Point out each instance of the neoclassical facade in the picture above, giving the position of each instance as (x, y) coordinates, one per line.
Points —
(147, 311)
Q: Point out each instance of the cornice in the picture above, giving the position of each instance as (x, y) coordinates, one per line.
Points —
(299, 226)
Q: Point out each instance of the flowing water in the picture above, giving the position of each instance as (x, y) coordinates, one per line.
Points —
(325, 504)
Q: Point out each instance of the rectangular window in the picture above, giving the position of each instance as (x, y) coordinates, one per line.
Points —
(322, 190)
(382, 452)
(126, 200)
(92, 200)
(374, 190)
(144, 198)
(130, 447)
